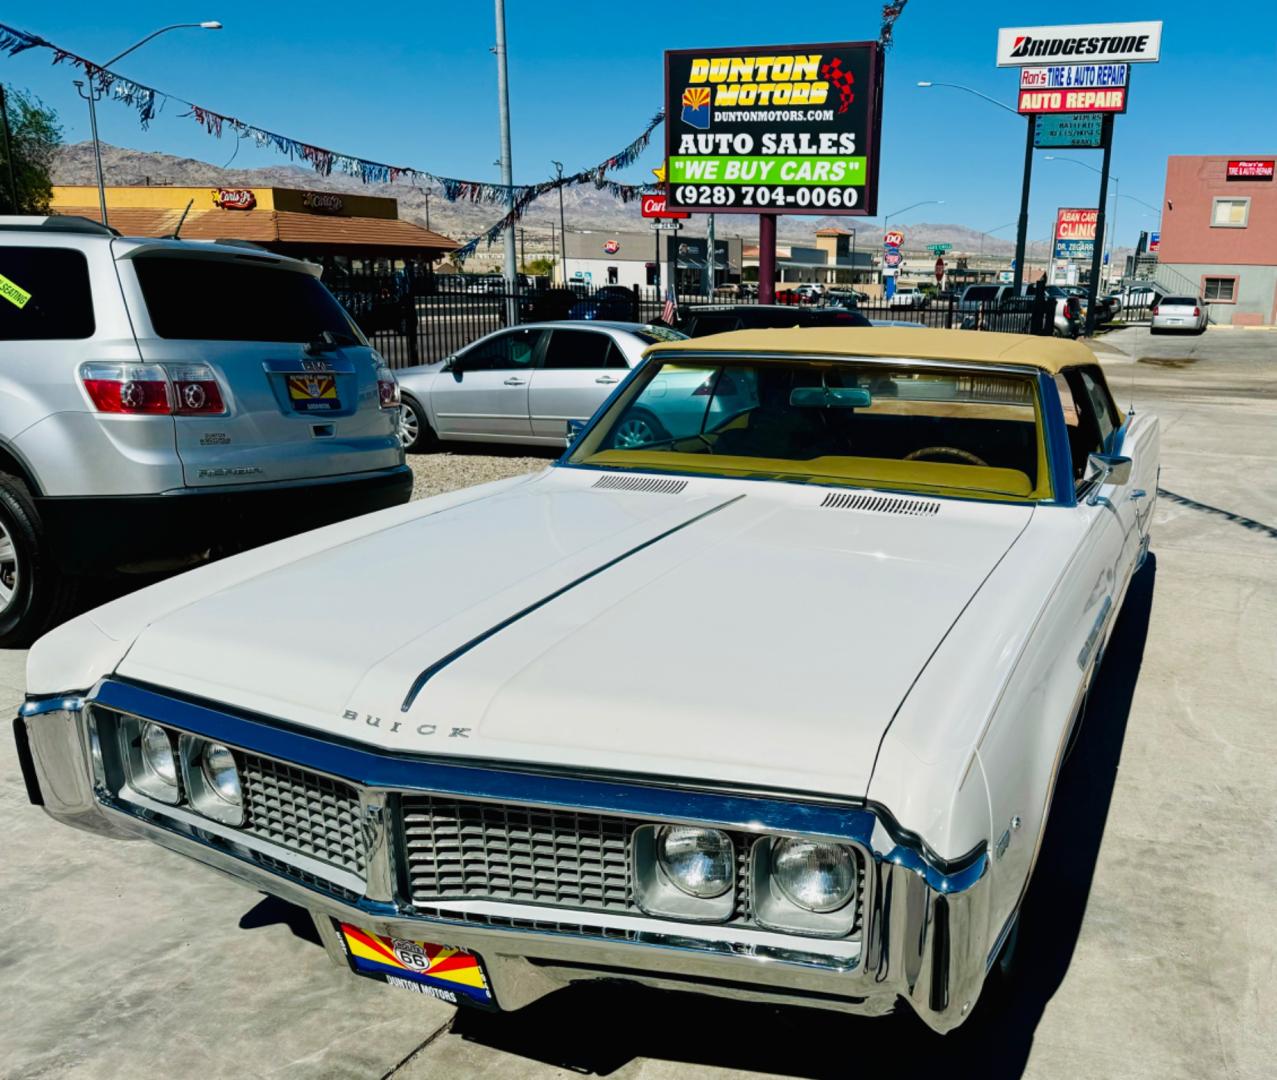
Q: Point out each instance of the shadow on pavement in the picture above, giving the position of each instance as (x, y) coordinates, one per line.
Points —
(271, 911)
(1227, 515)
(597, 1027)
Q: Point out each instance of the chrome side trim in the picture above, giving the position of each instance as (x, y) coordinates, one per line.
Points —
(51, 704)
(492, 631)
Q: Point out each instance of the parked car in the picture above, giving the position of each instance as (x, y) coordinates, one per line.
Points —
(1178, 313)
(1068, 315)
(974, 297)
(521, 385)
(612, 302)
(773, 709)
(809, 292)
(163, 399)
(908, 296)
(697, 320)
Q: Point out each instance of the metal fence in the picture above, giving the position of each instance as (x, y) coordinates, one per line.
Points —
(419, 325)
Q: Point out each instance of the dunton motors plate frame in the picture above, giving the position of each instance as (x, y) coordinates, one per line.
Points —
(452, 975)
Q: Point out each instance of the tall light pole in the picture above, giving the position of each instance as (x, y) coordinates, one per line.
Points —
(507, 165)
(94, 92)
(1021, 236)
(563, 229)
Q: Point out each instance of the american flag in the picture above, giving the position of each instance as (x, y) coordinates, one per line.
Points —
(670, 311)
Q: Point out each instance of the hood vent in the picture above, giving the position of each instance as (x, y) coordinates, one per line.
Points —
(656, 485)
(879, 504)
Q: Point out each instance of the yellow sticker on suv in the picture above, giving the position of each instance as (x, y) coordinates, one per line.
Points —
(15, 294)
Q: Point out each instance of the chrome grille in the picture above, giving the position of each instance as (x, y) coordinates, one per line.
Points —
(303, 811)
(465, 850)
(461, 850)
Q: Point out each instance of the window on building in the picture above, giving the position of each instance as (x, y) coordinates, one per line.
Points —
(1229, 213)
(1223, 289)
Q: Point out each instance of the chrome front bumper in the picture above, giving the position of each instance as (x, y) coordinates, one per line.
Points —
(924, 934)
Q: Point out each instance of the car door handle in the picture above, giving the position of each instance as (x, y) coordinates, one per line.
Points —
(514, 382)
(607, 380)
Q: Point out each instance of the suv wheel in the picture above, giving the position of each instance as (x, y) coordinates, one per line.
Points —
(34, 593)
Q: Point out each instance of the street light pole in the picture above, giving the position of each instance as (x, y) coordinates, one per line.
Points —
(95, 92)
(886, 220)
(507, 165)
(1021, 236)
(563, 229)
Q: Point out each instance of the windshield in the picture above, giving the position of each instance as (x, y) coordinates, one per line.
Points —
(879, 424)
(238, 300)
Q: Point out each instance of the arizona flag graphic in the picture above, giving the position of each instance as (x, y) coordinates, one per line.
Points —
(451, 974)
(696, 107)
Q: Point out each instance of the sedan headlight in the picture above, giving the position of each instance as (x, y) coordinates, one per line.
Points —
(212, 780)
(701, 862)
(150, 760)
(814, 876)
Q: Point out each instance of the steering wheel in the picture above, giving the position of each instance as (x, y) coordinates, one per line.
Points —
(947, 451)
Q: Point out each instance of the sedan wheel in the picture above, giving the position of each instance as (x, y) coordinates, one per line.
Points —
(636, 431)
(10, 570)
(415, 433)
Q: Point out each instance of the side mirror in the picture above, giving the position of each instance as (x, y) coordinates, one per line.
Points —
(1107, 469)
(454, 365)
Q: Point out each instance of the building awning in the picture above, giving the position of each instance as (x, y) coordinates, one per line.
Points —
(278, 228)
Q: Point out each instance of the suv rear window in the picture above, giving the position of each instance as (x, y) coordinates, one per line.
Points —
(234, 300)
(44, 294)
(981, 293)
(1179, 301)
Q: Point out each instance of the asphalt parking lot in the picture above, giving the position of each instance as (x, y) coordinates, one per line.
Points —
(1149, 942)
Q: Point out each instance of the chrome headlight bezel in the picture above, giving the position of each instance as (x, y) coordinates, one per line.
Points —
(140, 772)
(777, 909)
(202, 791)
(659, 893)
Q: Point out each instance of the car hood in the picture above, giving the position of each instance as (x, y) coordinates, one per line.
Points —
(736, 632)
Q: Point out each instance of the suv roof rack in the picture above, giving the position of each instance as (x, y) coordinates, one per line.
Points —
(56, 223)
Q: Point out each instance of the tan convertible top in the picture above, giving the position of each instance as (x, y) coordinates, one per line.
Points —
(961, 346)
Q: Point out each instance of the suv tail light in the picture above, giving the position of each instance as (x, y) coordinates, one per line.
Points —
(127, 388)
(1154, 309)
(1197, 312)
(387, 385)
(195, 390)
(152, 389)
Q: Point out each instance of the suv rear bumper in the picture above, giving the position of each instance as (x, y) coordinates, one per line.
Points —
(93, 534)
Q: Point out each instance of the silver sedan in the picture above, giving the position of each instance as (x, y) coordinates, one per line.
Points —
(1179, 313)
(523, 384)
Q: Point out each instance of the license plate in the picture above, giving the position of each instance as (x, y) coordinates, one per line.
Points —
(1176, 321)
(313, 393)
(439, 971)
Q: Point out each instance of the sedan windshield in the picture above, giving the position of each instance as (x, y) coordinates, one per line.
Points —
(877, 424)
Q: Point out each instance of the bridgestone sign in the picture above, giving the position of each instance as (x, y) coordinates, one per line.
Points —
(1126, 43)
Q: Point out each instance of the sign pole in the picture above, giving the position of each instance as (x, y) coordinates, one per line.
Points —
(1022, 233)
(767, 258)
(1093, 287)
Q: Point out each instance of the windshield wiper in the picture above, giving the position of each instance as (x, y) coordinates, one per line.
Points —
(327, 340)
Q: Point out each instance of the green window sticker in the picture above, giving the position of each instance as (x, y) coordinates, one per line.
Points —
(15, 294)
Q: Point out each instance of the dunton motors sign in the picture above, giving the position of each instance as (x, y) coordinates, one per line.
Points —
(1087, 43)
(783, 128)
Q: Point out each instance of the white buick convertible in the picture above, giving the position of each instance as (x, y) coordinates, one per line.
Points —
(770, 706)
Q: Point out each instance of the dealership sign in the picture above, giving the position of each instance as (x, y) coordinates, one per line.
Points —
(1105, 43)
(1079, 130)
(654, 206)
(1075, 234)
(1250, 169)
(790, 129)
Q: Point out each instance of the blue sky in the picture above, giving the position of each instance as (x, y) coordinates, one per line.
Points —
(414, 84)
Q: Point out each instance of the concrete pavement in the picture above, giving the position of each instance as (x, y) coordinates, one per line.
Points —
(1149, 943)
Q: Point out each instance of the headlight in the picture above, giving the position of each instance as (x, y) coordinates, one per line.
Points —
(814, 876)
(150, 761)
(157, 754)
(212, 778)
(701, 862)
(218, 765)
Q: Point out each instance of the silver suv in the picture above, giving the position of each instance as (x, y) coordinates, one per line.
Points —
(161, 400)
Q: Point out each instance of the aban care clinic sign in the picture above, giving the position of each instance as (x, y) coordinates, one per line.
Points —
(790, 129)
(1075, 233)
